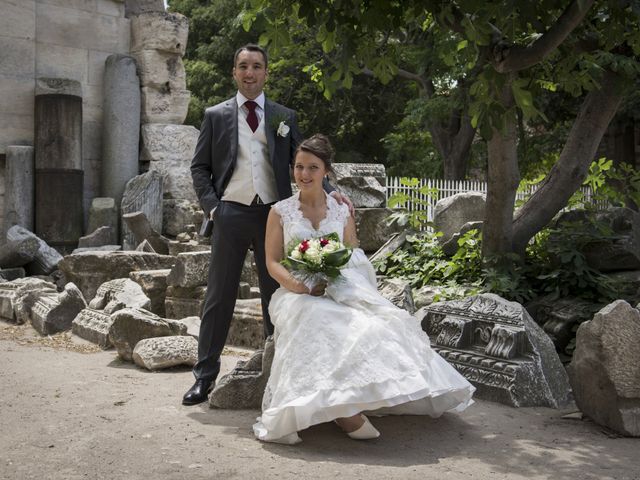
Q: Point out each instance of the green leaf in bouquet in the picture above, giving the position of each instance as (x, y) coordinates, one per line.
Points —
(338, 258)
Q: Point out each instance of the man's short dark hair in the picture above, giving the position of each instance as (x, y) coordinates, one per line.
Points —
(251, 47)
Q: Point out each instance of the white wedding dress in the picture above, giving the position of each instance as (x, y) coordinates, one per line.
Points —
(348, 351)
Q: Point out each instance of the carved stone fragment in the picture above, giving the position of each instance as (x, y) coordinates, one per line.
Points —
(244, 386)
(498, 347)
(52, 313)
(142, 230)
(45, 260)
(131, 325)
(398, 292)
(605, 369)
(451, 213)
(363, 183)
(143, 193)
(246, 327)
(93, 325)
(166, 352)
(184, 302)
(117, 294)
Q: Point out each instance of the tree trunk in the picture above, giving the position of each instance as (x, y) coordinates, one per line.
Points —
(567, 175)
(454, 145)
(502, 182)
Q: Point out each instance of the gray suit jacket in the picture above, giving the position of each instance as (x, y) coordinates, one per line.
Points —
(216, 151)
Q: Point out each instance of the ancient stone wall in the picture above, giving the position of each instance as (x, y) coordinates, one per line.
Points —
(63, 39)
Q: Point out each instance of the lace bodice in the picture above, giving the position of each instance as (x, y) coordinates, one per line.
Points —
(297, 227)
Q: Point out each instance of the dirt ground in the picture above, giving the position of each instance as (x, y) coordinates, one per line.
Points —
(70, 411)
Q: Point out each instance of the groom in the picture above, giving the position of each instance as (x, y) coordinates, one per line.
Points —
(241, 166)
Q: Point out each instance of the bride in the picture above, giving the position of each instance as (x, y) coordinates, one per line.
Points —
(341, 349)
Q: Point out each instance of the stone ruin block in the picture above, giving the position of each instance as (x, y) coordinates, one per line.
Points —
(154, 285)
(363, 183)
(131, 325)
(164, 106)
(10, 274)
(373, 230)
(398, 292)
(244, 386)
(246, 328)
(161, 70)
(498, 347)
(104, 213)
(176, 247)
(184, 302)
(178, 214)
(451, 213)
(52, 312)
(142, 193)
(100, 237)
(93, 325)
(166, 352)
(605, 369)
(16, 297)
(166, 32)
(89, 270)
(191, 270)
(117, 294)
(45, 259)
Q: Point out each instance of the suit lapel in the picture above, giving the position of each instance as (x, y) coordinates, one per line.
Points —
(269, 109)
(231, 118)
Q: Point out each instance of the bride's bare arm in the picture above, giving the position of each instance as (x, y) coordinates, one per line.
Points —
(274, 248)
(349, 235)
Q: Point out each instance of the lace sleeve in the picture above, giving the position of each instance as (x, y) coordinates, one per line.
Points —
(287, 209)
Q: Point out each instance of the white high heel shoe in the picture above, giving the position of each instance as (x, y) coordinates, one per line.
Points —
(365, 432)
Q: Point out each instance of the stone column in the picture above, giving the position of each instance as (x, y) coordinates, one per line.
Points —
(58, 162)
(121, 125)
(19, 186)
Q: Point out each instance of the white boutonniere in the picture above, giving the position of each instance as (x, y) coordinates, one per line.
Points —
(283, 129)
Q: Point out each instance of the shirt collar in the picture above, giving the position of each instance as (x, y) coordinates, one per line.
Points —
(240, 98)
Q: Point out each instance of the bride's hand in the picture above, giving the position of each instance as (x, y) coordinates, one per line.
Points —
(318, 290)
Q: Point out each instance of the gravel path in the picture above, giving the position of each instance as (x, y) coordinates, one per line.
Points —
(68, 412)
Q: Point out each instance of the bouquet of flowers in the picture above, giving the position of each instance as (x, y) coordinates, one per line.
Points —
(313, 260)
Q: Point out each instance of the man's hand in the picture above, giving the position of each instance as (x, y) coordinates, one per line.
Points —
(341, 198)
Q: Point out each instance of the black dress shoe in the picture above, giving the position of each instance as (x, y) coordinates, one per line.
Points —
(198, 393)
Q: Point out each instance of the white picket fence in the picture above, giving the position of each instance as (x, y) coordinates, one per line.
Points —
(446, 188)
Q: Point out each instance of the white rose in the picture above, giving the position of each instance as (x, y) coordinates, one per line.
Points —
(295, 254)
(283, 129)
(332, 246)
(313, 254)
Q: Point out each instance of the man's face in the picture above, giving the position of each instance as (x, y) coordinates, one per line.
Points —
(250, 73)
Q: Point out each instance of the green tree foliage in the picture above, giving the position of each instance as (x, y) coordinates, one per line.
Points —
(355, 119)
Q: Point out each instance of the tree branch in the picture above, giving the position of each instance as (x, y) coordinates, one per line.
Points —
(514, 58)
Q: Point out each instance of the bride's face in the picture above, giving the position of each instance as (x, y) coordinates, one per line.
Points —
(308, 171)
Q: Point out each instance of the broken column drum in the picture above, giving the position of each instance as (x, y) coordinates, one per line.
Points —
(18, 197)
(58, 162)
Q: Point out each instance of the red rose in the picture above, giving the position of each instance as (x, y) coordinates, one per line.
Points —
(304, 246)
(323, 242)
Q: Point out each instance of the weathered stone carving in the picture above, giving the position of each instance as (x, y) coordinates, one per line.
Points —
(131, 325)
(19, 252)
(498, 347)
(9, 274)
(142, 194)
(244, 386)
(605, 369)
(142, 230)
(15, 298)
(52, 312)
(398, 292)
(117, 294)
(93, 325)
(178, 214)
(166, 32)
(166, 352)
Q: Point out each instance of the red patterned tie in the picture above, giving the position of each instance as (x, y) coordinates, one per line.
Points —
(252, 118)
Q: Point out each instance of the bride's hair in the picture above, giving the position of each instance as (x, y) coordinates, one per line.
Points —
(320, 146)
